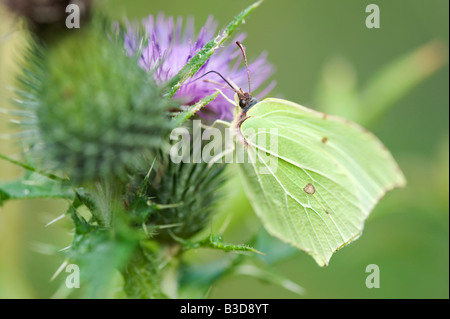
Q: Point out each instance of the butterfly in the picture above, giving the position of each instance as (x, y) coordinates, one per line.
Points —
(329, 174)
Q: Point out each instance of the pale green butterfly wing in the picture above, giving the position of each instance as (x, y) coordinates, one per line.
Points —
(314, 178)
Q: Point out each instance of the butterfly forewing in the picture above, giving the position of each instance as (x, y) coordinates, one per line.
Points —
(328, 176)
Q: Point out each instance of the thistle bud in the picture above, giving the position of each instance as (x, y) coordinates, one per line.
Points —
(96, 113)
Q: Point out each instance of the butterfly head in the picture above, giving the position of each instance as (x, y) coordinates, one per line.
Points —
(245, 99)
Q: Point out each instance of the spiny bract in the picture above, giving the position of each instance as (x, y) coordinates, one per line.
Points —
(186, 193)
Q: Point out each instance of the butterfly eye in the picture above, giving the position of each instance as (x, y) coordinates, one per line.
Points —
(247, 102)
(252, 102)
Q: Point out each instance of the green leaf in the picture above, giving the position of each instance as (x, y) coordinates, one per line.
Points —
(203, 55)
(274, 250)
(99, 253)
(315, 189)
(33, 186)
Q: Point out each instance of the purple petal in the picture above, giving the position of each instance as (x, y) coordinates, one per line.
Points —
(167, 49)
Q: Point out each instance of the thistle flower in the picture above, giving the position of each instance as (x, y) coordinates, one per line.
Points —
(164, 49)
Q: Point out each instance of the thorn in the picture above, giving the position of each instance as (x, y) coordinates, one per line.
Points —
(257, 251)
(161, 206)
(55, 220)
(169, 226)
(65, 248)
(226, 223)
(59, 270)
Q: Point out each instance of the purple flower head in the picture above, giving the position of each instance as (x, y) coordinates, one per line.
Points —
(164, 49)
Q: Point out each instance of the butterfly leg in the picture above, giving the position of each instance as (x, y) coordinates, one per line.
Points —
(226, 97)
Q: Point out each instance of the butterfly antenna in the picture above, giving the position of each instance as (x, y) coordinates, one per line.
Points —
(232, 87)
(246, 65)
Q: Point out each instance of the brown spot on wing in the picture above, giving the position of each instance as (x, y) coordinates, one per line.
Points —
(324, 140)
(309, 189)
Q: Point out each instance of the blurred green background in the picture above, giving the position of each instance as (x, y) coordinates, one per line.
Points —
(324, 57)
